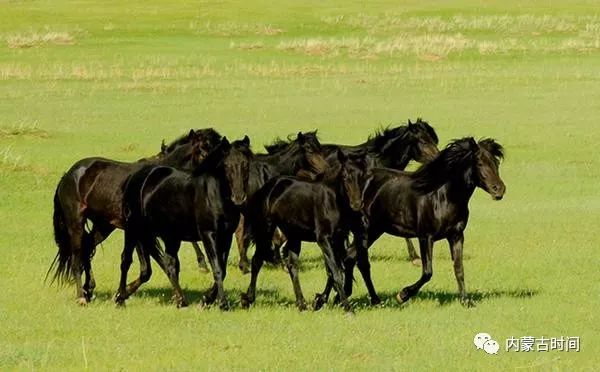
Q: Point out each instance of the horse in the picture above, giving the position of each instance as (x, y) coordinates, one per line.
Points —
(91, 191)
(300, 156)
(173, 205)
(323, 212)
(388, 148)
(430, 204)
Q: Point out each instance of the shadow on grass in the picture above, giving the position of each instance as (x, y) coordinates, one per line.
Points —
(443, 298)
(193, 296)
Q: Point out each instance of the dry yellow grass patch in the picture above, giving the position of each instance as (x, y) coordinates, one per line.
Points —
(23, 128)
(234, 29)
(462, 23)
(247, 46)
(34, 39)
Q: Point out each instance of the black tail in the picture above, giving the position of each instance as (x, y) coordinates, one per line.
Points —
(63, 262)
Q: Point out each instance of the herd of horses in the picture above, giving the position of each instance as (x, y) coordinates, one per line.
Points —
(204, 188)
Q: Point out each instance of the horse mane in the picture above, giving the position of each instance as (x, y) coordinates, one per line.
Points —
(493, 147)
(383, 136)
(210, 133)
(458, 154)
(424, 126)
(280, 144)
(213, 159)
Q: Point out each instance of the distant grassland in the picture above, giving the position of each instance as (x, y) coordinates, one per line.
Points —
(114, 78)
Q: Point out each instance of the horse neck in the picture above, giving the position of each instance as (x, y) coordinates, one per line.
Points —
(281, 163)
(457, 190)
(383, 160)
(174, 159)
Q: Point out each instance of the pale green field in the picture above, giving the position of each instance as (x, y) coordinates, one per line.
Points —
(79, 79)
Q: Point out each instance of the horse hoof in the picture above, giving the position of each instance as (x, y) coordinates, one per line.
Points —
(82, 301)
(319, 302)
(302, 306)
(224, 306)
(401, 297)
(182, 303)
(416, 261)
(245, 301)
(119, 302)
(375, 301)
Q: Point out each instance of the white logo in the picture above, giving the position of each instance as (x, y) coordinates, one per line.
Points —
(484, 341)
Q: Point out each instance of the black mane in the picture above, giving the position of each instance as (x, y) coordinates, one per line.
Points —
(280, 144)
(458, 156)
(209, 133)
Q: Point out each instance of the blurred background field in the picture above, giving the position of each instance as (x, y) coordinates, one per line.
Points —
(87, 78)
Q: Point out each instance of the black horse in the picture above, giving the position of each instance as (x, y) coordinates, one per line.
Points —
(323, 212)
(91, 191)
(389, 148)
(301, 156)
(430, 204)
(163, 202)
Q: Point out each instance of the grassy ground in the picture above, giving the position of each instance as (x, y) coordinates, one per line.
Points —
(81, 78)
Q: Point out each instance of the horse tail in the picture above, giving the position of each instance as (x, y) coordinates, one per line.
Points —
(63, 261)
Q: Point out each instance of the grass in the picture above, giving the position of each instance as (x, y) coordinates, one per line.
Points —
(134, 73)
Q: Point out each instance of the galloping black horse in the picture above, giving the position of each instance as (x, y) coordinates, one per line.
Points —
(160, 201)
(322, 212)
(430, 204)
(390, 148)
(299, 156)
(91, 190)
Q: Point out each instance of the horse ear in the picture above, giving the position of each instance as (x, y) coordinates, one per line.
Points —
(191, 135)
(300, 137)
(473, 144)
(246, 140)
(163, 146)
(341, 156)
(409, 123)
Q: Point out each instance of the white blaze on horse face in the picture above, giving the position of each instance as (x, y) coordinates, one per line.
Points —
(481, 339)
(491, 347)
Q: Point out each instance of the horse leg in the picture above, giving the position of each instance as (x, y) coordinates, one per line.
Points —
(333, 264)
(145, 270)
(456, 250)
(224, 239)
(242, 243)
(278, 242)
(100, 231)
(412, 253)
(79, 259)
(172, 269)
(209, 239)
(294, 247)
(322, 298)
(361, 245)
(426, 245)
(264, 239)
(202, 266)
(126, 259)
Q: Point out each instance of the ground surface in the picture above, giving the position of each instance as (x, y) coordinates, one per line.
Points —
(102, 78)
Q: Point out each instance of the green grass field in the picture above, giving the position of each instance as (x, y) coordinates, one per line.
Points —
(83, 78)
